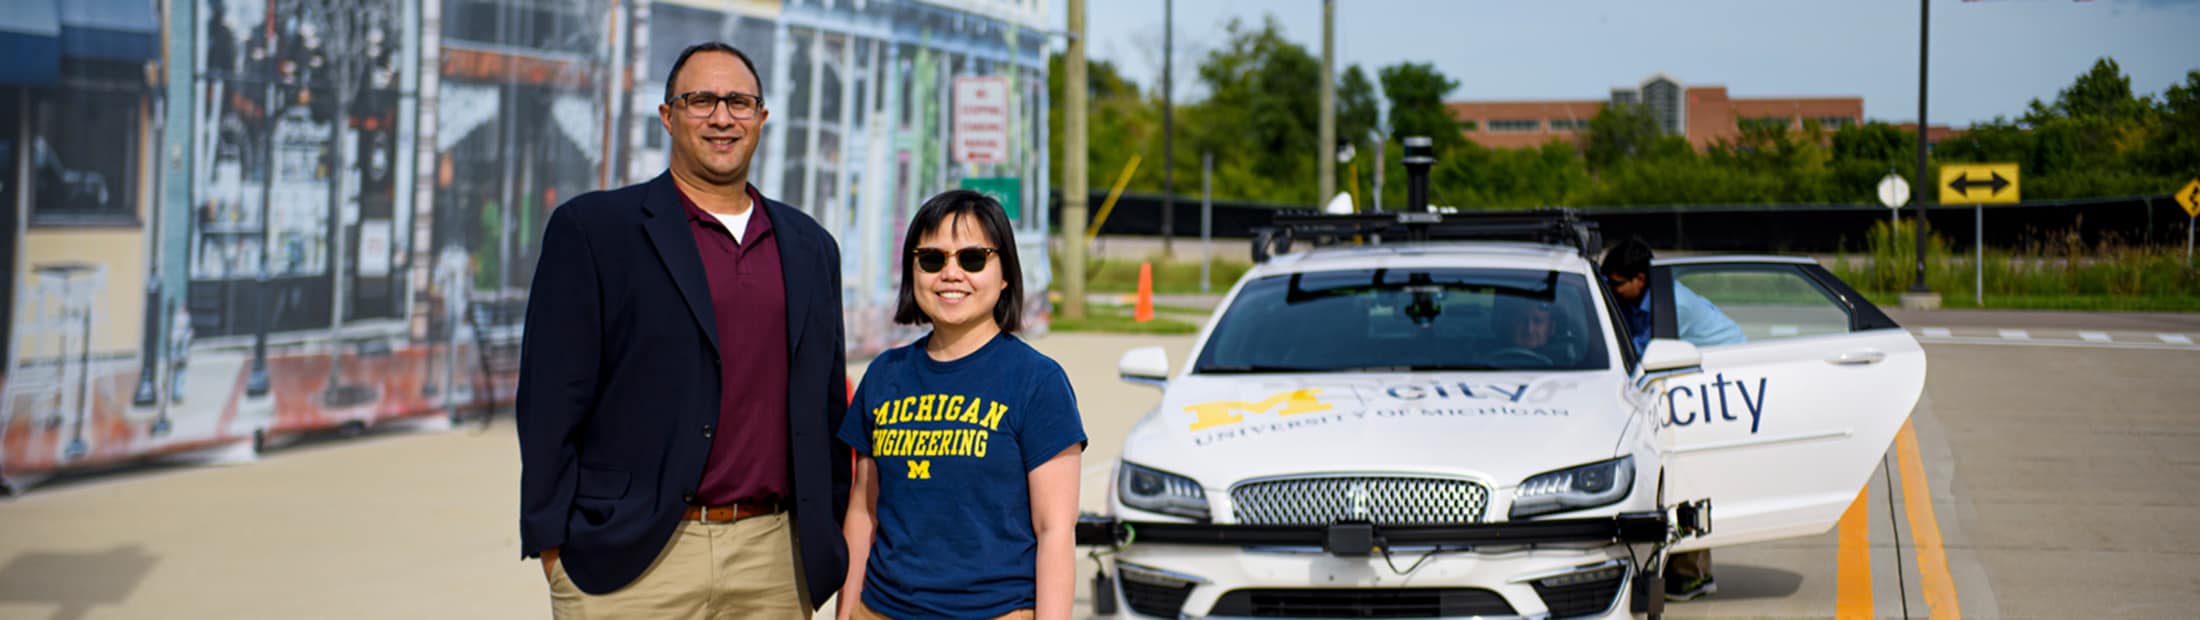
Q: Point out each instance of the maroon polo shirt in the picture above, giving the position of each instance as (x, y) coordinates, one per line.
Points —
(748, 295)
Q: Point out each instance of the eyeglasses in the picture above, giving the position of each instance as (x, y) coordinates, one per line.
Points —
(970, 259)
(701, 104)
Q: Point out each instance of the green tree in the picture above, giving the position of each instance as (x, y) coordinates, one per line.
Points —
(1359, 115)
(1474, 177)
(2091, 141)
(2173, 152)
(1359, 107)
(1874, 141)
(1863, 154)
(1259, 116)
(1995, 140)
(1784, 164)
(1416, 92)
(2102, 91)
(1620, 132)
(1120, 122)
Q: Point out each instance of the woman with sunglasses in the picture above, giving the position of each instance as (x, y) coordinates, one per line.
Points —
(964, 502)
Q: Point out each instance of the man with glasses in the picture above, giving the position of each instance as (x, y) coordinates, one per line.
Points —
(680, 380)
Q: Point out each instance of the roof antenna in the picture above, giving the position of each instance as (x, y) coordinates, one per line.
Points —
(1420, 155)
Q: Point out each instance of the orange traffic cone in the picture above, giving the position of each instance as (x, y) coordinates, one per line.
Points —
(1143, 312)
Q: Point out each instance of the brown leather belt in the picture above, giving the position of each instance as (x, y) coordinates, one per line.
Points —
(731, 512)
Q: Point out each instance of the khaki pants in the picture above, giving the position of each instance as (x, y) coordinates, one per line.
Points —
(865, 612)
(743, 569)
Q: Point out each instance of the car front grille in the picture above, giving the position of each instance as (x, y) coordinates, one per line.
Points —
(1382, 500)
(1356, 603)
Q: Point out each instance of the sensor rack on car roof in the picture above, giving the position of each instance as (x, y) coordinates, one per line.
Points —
(1551, 225)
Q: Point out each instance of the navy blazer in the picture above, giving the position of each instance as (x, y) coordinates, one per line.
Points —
(619, 378)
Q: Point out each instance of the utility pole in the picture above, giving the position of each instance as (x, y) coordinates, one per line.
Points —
(1325, 151)
(1924, 38)
(1168, 129)
(1073, 166)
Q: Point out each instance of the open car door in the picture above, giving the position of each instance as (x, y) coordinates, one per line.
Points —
(1804, 386)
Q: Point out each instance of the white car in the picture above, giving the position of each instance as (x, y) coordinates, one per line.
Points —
(1357, 433)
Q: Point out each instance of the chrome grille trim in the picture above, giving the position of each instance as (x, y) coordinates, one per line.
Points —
(1383, 499)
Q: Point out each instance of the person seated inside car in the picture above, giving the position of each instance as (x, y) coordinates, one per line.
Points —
(1529, 335)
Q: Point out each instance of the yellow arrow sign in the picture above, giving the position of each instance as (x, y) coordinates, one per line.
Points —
(2189, 198)
(1978, 183)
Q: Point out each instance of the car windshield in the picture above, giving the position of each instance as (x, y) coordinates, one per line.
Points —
(1393, 320)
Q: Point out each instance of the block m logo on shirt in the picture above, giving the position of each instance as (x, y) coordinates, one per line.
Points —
(1286, 403)
(920, 470)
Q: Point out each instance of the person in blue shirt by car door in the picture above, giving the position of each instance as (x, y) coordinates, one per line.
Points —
(1627, 267)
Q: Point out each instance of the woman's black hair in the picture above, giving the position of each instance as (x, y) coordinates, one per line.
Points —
(941, 210)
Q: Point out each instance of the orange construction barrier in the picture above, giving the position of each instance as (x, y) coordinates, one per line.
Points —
(1143, 312)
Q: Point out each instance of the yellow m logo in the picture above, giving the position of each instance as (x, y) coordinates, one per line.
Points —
(1222, 412)
(920, 469)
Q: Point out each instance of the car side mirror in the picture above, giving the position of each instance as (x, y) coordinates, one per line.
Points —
(1144, 366)
(1667, 358)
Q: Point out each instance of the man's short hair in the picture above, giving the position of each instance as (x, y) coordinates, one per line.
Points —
(1008, 312)
(1628, 259)
(711, 46)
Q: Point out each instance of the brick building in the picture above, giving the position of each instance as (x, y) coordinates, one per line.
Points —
(1704, 114)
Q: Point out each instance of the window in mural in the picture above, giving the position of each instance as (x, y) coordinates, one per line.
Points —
(84, 155)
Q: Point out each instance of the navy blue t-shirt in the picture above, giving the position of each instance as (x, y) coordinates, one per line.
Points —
(954, 442)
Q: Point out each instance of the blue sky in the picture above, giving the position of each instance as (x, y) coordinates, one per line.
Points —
(1988, 57)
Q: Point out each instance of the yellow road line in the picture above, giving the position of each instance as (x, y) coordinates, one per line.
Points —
(1917, 500)
(1853, 586)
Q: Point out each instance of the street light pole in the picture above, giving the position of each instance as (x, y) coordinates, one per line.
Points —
(1168, 129)
(1327, 147)
(1924, 39)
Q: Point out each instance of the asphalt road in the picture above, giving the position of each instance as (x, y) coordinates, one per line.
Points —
(2049, 476)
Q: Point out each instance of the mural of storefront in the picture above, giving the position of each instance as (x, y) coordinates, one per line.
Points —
(235, 222)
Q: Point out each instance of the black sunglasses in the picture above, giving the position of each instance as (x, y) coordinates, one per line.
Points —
(970, 259)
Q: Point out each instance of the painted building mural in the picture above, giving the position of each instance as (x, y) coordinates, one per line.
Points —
(237, 222)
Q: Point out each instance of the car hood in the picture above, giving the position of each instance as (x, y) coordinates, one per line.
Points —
(1499, 427)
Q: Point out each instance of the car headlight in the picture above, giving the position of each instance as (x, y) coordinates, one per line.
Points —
(1586, 486)
(1159, 491)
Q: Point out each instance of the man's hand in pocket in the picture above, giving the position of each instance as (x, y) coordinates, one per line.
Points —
(549, 563)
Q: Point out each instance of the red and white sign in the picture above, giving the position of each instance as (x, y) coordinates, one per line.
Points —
(981, 120)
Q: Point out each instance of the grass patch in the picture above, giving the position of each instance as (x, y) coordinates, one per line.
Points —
(1182, 309)
(2054, 272)
(1176, 277)
(1117, 320)
(2093, 303)
(1157, 309)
